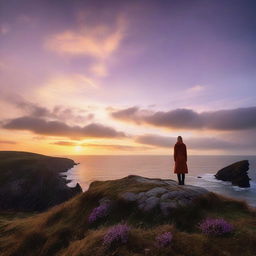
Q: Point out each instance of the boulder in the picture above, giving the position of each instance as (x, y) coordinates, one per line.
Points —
(129, 196)
(161, 194)
(236, 173)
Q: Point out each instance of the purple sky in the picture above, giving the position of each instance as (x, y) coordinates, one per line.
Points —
(103, 77)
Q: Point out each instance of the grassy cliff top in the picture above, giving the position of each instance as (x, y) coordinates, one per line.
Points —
(17, 163)
(67, 230)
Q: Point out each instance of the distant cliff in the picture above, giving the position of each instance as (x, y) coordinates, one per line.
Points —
(32, 182)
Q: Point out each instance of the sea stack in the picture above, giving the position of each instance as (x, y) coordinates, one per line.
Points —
(236, 173)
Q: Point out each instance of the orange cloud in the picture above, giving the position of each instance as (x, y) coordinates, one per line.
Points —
(99, 69)
(99, 42)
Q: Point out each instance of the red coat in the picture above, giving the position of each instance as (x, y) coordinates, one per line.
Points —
(180, 158)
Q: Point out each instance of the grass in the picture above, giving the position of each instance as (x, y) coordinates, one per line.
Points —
(64, 229)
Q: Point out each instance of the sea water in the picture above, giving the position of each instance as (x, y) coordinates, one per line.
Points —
(93, 168)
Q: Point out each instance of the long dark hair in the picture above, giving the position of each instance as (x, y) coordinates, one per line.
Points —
(179, 139)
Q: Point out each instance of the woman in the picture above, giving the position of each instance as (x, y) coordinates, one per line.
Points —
(180, 158)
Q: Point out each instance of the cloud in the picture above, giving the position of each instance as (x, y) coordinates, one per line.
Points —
(63, 85)
(117, 147)
(57, 128)
(7, 142)
(99, 69)
(64, 143)
(132, 114)
(193, 143)
(102, 146)
(98, 42)
(195, 89)
(187, 119)
(60, 113)
(4, 29)
(155, 140)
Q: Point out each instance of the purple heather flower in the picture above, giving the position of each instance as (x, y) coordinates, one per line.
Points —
(116, 234)
(216, 227)
(98, 213)
(163, 239)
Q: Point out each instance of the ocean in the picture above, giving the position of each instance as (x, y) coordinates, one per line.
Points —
(108, 167)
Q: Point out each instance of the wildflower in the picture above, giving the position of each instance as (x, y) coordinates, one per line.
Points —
(163, 239)
(116, 234)
(216, 227)
(99, 213)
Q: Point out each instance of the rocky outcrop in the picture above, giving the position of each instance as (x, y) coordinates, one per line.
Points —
(236, 173)
(32, 182)
(148, 194)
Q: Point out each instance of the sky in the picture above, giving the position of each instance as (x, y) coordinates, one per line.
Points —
(127, 77)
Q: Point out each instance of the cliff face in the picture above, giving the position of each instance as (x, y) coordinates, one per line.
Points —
(236, 173)
(32, 182)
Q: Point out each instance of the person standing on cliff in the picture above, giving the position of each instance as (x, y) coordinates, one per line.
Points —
(180, 159)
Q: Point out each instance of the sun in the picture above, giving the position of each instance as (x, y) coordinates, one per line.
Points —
(78, 148)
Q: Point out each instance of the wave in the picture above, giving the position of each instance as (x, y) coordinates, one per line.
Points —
(211, 178)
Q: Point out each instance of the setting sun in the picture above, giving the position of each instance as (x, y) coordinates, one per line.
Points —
(78, 148)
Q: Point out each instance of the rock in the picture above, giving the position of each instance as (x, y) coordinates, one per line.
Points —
(236, 173)
(166, 195)
(77, 189)
(199, 177)
(170, 195)
(184, 202)
(129, 196)
(156, 191)
(167, 207)
(146, 180)
(151, 203)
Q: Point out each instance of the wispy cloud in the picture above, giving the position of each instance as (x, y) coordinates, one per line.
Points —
(195, 89)
(60, 86)
(7, 142)
(98, 42)
(64, 143)
(4, 29)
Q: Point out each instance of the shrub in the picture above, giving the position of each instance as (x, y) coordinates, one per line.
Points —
(163, 239)
(216, 227)
(98, 213)
(116, 234)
